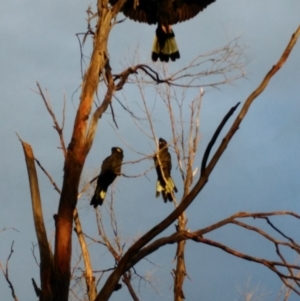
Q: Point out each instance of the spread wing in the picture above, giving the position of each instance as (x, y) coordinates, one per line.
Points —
(163, 11)
(188, 9)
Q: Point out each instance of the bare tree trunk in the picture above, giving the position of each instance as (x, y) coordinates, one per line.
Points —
(76, 155)
(79, 147)
(180, 273)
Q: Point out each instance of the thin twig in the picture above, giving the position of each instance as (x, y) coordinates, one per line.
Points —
(5, 273)
(56, 126)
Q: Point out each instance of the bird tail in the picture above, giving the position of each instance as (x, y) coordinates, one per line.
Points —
(98, 197)
(166, 190)
(164, 45)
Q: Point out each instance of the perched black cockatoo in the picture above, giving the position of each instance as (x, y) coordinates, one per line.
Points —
(110, 169)
(163, 164)
(164, 13)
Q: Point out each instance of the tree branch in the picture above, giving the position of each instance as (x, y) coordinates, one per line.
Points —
(56, 126)
(46, 257)
(215, 136)
(5, 273)
(226, 63)
(126, 279)
(90, 281)
(120, 270)
(98, 113)
(250, 100)
(78, 149)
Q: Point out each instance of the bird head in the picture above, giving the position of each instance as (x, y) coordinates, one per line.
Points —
(117, 150)
(162, 143)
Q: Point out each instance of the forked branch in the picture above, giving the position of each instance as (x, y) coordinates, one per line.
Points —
(186, 235)
(291, 278)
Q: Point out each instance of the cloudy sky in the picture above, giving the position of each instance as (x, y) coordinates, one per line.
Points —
(260, 170)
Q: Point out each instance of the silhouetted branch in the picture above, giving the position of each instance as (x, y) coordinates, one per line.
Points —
(198, 236)
(36, 288)
(215, 136)
(123, 76)
(113, 115)
(272, 265)
(99, 111)
(33, 254)
(184, 235)
(5, 273)
(48, 175)
(250, 100)
(126, 279)
(125, 108)
(277, 230)
(9, 228)
(225, 62)
(113, 245)
(56, 126)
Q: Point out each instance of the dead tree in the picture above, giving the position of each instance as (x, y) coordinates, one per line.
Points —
(56, 270)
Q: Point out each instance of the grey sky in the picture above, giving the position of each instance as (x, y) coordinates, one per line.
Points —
(260, 170)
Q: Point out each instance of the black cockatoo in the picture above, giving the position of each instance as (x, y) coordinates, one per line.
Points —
(164, 13)
(110, 169)
(163, 164)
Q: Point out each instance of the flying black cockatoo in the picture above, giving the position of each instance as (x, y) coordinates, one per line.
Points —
(163, 164)
(164, 13)
(110, 169)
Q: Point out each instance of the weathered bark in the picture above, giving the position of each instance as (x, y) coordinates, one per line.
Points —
(76, 155)
(46, 257)
(180, 272)
(89, 278)
(78, 149)
(90, 281)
